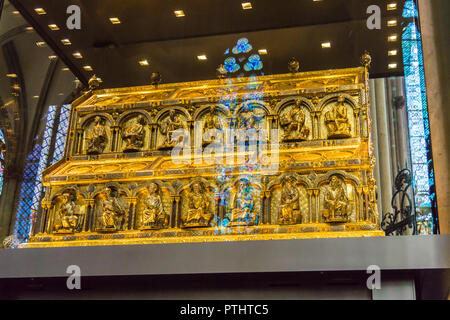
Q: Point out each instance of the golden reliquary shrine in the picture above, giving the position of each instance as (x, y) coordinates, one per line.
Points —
(274, 157)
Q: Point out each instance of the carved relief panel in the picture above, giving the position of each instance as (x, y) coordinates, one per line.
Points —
(153, 207)
(197, 205)
(110, 210)
(134, 133)
(338, 200)
(243, 203)
(169, 122)
(295, 122)
(337, 120)
(289, 201)
(96, 135)
(69, 210)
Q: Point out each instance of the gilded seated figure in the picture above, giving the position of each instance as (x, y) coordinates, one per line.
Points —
(245, 211)
(113, 213)
(199, 208)
(211, 122)
(69, 219)
(153, 215)
(173, 123)
(337, 121)
(289, 204)
(97, 137)
(133, 134)
(293, 124)
(336, 202)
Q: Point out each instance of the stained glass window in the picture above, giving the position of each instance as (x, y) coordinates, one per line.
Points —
(48, 149)
(418, 123)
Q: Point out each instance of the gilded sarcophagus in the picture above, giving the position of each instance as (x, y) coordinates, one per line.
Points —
(274, 157)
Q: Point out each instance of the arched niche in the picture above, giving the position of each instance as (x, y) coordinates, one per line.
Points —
(135, 131)
(337, 117)
(285, 189)
(153, 206)
(96, 134)
(198, 205)
(170, 119)
(337, 193)
(295, 119)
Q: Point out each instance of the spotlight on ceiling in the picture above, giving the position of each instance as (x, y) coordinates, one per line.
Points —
(11, 75)
(144, 63)
(53, 27)
(247, 5)
(40, 44)
(66, 42)
(326, 45)
(179, 13)
(77, 55)
(262, 51)
(392, 52)
(392, 6)
(392, 66)
(392, 38)
(115, 20)
(392, 22)
(52, 57)
(87, 68)
(40, 11)
(202, 57)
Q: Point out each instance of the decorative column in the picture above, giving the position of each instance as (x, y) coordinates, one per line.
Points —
(310, 204)
(46, 205)
(384, 151)
(176, 213)
(374, 139)
(79, 141)
(89, 222)
(357, 122)
(132, 218)
(268, 215)
(316, 203)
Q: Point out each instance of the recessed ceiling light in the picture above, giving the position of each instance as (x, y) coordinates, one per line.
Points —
(326, 45)
(40, 11)
(262, 51)
(179, 13)
(53, 27)
(392, 52)
(247, 5)
(77, 55)
(52, 57)
(392, 37)
(392, 23)
(11, 75)
(202, 57)
(40, 44)
(144, 63)
(66, 42)
(392, 65)
(60, 94)
(114, 20)
(15, 12)
(392, 6)
(87, 68)
(65, 69)
(29, 28)
(36, 97)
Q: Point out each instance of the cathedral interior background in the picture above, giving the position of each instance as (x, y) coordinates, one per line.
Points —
(347, 129)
